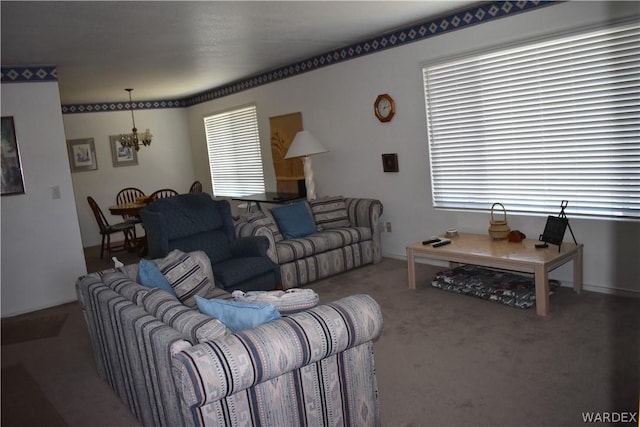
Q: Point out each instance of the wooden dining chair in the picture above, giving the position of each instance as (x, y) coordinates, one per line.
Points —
(161, 194)
(129, 195)
(106, 230)
(196, 187)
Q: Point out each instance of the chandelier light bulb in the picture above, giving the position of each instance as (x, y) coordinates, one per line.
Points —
(133, 139)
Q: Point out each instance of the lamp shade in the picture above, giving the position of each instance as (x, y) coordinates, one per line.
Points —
(304, 144)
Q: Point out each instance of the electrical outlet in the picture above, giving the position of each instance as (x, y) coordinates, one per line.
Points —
(387, 226)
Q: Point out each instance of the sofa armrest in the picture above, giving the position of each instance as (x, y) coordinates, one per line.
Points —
(131, 349)
(211, 371)
(364, 212)
(367, 213)
(246, 229)
(157, 242)
(250, 246)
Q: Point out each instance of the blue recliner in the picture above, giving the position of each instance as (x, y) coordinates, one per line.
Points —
(195, 221)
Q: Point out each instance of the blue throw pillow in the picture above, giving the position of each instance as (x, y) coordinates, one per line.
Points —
(150, 276)
(294, 220)
(237, 315)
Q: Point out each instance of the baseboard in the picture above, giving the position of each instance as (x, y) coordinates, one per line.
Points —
(629, 293)
(50, 304)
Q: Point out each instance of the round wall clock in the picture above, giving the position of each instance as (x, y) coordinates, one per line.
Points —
(384, 108)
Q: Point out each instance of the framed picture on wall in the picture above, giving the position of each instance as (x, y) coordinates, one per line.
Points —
(82, 154)
(122, 156)
(390, 162)
(12, 179)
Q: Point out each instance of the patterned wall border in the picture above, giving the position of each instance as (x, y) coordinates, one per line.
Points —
(102, 107)
(29, 74)
(465, 18)
(462, 19)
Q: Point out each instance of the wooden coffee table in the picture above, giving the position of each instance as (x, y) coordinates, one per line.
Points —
(478, 249)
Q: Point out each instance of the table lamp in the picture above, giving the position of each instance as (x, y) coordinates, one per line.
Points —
(304, 145)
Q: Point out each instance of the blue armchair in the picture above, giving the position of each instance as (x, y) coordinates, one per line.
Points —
(195, 221)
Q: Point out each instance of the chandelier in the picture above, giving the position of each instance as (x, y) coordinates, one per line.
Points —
(134, 139)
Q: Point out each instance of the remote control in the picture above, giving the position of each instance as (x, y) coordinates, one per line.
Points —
(444, 242)
(430, 241)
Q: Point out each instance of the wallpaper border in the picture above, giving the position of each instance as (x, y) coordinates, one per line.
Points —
(458, 20)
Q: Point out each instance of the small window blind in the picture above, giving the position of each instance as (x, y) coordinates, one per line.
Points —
(537, 124)
(235, 159)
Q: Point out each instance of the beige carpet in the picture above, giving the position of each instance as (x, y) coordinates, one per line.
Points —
(451, 360)
(25, 328)
(24, 403)
(442, 360)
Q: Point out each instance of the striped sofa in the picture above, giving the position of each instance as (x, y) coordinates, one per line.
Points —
(329, 251)
(173, 366)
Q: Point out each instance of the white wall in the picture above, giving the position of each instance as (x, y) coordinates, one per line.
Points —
(166, 163)
(337, 106)
(41, 248)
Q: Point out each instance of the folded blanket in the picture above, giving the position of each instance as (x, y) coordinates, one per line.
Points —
(512, 289)
(286, 302)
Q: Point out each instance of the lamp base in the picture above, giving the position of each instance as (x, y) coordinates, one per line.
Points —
(308, 179)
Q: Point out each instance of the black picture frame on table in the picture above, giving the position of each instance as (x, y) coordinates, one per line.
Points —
(12, 178)
(555, 228)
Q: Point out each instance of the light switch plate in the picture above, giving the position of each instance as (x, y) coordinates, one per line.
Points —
(55, 192)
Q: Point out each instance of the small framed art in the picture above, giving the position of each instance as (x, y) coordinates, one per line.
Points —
(82, 154)
(12, 179)
(390, 162)
(122, 156)
(554, 230)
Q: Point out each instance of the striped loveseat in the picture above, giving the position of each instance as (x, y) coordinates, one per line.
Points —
(347, 236)
(173, 366)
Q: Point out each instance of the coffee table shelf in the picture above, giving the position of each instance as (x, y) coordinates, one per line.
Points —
(482, 250)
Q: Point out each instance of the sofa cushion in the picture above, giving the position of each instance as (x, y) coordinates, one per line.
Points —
(214, 243)
(150, 276)
(194, 326)
(185, 275)
(188, 214)
(339, 237)
(238, 315)
(237, 270)
(330, 212)
(266, 219)
(294, 220)
(323, 241)
(293, 249)
(220, 293)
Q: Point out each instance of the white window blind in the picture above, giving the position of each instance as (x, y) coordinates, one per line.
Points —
(534, 125)
(235, 159)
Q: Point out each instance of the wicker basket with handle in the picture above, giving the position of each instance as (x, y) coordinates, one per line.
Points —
(498, 228)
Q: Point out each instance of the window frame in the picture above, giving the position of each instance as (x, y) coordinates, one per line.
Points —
(471, 56)
(254, 179)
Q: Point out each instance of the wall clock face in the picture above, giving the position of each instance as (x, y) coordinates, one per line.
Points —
(384, 108)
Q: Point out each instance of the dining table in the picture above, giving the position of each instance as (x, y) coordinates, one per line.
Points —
(130, 209)
(133, 209)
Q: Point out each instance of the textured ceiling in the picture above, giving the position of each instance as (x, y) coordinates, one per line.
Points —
(169, 49)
